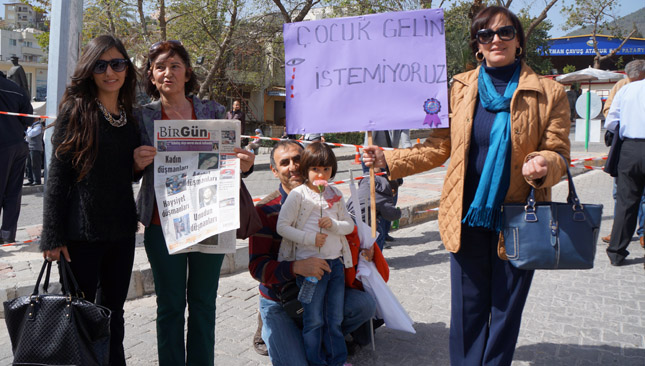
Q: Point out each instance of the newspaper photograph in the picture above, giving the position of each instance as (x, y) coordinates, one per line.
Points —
(197, 184)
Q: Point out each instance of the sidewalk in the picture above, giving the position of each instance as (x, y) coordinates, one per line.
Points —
(591, 317)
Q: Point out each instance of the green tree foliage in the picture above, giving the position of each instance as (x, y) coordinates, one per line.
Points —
(599, 16)
(538, 39)
(568, 68)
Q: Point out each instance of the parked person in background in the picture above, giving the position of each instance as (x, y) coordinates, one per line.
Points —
(13, 154)
(627, 109)
(572, 95)
(237, 113)
(635, 71)
(313, 137)
(398, 139)
(35, 159)
(280, 332)
(17, 74)
(498, 150)
(89, 212)
(255, 144)
(186, 278)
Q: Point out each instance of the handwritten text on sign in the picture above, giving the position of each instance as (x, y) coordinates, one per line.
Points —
(375, 72)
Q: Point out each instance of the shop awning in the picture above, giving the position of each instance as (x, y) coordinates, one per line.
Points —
(583, 46)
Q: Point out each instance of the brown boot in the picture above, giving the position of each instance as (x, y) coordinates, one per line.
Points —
(258, 343)
(606, 239)
(642, 242)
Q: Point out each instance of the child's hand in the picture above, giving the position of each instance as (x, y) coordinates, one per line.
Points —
(324, 222)
(320, 239)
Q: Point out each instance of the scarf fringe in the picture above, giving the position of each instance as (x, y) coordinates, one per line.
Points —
(486, 217)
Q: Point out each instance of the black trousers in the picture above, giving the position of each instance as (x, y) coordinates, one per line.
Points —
(487, 299)
(12, 168)
(630, 184)
(103, 271)
(34, 165)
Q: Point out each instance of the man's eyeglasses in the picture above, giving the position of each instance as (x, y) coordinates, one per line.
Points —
(485, 36)
(117, 65)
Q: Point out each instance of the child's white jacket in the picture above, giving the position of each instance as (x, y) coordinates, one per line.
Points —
(295, 212)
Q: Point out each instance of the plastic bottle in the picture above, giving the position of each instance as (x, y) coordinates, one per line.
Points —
(307, 290)
(395, 224)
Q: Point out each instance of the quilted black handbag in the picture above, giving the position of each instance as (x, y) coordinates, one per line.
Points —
(551, 235)
(58, 329)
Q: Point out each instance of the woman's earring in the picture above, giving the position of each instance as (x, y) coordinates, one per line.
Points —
(479, 56)
(518, 52)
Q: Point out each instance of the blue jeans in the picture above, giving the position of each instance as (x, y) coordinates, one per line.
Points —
(322, 334)
(641, 212)
(283, 338)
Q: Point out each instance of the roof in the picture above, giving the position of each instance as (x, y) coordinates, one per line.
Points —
(583, 46)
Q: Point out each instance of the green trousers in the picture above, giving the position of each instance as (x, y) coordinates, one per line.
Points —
(179, 279)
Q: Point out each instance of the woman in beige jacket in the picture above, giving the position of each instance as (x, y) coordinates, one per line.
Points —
(508, 129)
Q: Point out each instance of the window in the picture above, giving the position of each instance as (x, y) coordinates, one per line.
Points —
(12, 42)
(27, 44)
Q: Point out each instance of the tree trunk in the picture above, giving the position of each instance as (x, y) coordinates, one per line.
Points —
(162, 19)
(142, 19)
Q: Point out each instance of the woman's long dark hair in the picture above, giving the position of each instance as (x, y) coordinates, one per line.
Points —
(79, 107)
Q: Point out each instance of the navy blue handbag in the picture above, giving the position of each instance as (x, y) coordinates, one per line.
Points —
(551, 235)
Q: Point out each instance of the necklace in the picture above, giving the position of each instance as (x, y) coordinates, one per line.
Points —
(116, 123)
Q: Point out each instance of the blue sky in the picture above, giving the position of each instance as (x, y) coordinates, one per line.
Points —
(554, 15)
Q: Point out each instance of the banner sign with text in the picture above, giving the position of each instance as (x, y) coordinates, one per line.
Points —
(374, 72)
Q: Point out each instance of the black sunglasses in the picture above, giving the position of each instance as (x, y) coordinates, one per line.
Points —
(117, 65)
(485, 36)
(157, 44)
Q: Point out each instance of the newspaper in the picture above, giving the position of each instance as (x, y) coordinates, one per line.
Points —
(197, 184)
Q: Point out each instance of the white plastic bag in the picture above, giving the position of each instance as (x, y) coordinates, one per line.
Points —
(388, 307)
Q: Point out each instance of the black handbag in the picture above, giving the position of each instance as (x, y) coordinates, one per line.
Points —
(289, 300)
(58, 329)
(611, 165)
(551, 235)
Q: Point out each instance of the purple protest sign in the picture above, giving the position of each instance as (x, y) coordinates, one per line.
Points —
(368, 73)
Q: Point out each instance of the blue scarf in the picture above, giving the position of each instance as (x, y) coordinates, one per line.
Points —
(485, 210)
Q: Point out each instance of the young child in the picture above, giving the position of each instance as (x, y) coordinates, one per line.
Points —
(314, 224)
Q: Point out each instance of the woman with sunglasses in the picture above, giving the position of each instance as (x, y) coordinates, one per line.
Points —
(507, 131)
(186, 278)
(89, 210)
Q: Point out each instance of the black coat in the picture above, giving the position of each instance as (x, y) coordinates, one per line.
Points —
(101, 206)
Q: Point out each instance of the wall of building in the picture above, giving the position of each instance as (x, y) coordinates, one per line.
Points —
(36, 76)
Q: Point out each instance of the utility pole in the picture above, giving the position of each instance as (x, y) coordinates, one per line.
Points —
(64, 51)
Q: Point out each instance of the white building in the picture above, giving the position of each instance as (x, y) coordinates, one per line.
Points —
(23, 44)
(20, 16)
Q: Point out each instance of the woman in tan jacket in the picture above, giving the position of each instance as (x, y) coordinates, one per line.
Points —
(508, 129)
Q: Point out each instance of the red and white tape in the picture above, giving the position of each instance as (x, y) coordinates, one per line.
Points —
(26, 115)
(308, 142)
(20, 242)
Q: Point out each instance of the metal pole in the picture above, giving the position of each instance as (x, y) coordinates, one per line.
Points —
(588, 117)
(64, 51)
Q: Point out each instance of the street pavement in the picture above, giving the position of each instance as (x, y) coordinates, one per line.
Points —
(590, 317)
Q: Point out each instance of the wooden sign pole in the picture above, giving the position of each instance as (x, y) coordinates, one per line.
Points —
(372, 191)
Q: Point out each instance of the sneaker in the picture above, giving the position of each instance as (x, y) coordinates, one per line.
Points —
(606, 239)
(389, 238)
(28, 184)
(347, 364)
(642, 239)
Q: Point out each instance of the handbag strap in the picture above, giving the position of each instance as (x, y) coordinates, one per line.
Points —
(47, 266)
(67, 275)
(572, 198)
